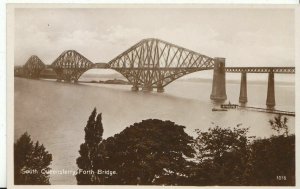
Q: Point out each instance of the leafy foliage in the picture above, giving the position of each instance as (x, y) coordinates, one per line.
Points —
(89, 149)
(279, 124)
(30, 159)
(272, 161)
(228, 157)
(156, 152)
(149, 152)
(222, 153)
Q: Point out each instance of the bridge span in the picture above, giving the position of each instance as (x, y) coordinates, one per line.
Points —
(153, 63)
(270, 102)
(282, 70)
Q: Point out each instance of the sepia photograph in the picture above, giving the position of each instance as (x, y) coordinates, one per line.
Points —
(180, 95)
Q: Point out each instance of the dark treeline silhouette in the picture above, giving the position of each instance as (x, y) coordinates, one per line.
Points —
(31, 162)
(156, 152)
(89, 151)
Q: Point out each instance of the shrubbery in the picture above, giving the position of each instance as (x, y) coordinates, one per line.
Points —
(30, 159)
(156, 152)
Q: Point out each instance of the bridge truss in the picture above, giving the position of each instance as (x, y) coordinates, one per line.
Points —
(282, 70)
(33, 67)
(70, 65)
(150, 63)
(153, 63)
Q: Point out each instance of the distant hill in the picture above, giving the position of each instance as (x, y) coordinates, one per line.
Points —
(50, 74)
(100, 76)
(258, 82)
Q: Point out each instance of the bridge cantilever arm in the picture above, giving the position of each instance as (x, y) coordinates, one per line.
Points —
(158, 40)
(126, 51)
(180, 47)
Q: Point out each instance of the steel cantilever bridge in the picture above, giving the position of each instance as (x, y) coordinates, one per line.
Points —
(154, 63)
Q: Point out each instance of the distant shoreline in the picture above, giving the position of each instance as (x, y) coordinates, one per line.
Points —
(122, 81)
(238, 81)
(110, 81)
(116, 78)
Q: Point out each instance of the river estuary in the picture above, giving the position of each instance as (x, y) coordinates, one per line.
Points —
(56, 113)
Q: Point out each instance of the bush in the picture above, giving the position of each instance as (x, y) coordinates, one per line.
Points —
(222, 156)
(149, 152)
(156, 152)
(29, 160)
(272, 161)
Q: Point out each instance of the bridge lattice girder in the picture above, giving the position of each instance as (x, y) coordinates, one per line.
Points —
(156, 63)
(33, 67)
(282, 70)
(70, 65)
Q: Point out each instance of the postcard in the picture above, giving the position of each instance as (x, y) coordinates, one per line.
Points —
(151, 95)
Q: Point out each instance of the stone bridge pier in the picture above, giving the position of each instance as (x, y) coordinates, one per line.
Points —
(160, 88)
(134, 88)
(271, 91)
(270, 102)
(219, 80)
(243, 88)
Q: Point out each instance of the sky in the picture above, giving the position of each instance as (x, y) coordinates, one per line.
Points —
(245, 37)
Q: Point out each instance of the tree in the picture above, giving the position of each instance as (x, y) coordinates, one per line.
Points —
(272, 161)
(31, 162)
(279, 123)
(89, 150)
(222, 156)
(150, 152)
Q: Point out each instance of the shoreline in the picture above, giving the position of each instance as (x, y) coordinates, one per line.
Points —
(122, 81)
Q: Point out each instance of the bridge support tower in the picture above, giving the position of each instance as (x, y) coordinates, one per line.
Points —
(219, 84)
(134, 88)
(243, 88)
(271, 91)
(160, 88)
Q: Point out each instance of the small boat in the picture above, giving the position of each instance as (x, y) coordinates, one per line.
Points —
(229, 106)
(218, 109)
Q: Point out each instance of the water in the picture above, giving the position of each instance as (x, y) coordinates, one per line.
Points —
(56, 113)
